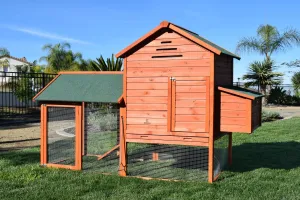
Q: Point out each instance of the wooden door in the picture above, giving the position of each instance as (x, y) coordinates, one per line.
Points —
(61, 136)
(189, 104)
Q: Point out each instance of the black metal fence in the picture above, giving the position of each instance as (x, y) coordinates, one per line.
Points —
(16, 92)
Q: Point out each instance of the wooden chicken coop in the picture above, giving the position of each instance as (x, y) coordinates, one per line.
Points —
(178, 107)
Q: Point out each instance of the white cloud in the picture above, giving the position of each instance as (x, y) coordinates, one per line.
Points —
(49, 35)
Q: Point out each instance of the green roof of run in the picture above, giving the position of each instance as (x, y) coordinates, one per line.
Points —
(105, 88)
(224, 51)
(243, 91)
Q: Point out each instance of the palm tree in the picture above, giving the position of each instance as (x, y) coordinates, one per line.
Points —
(111, 64)
(296, 82)
(59, 58)
(4, 51)
(261, 74)
(269, 40)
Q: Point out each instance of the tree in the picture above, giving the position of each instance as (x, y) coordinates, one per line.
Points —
(4, 51)
(60, 57)
(269, 40)
(296, 82)
(111, 64)
(261, 74)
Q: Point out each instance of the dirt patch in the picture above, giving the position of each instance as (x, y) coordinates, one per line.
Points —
(285, 111)
(13, 137)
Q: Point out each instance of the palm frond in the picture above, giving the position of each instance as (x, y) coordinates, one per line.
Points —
(249, 44)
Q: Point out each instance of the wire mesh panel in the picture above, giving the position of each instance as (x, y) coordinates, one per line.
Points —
(220, 154)
(164, 161)
(61, 135)
(101, 138)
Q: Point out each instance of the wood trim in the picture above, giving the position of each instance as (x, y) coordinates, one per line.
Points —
(230, 149)
(45, 134)
(163, 24)
(187, 143)
(211, 119)
(61, 105)
(125, 80)
(169, 112)
(235, 93)
(155, 156)
(173, 98)
(42, 90)
(83, 130)
(120, 99)
(122, 159)
(59, 166)
(78, 136)
(108, 152)
(90, 72)
(194, 39)
(207, 104)
(249, 115)
(42, 135)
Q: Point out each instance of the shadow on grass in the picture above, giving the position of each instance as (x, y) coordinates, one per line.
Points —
(279, 155)
(21, 157)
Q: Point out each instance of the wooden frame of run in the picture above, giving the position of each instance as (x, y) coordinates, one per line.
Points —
(78, 136)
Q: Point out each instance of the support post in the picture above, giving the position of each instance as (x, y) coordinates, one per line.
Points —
(123, 146)
(211, 119)
(78, 138)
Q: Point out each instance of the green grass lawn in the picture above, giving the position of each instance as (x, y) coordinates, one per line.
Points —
(266, 165)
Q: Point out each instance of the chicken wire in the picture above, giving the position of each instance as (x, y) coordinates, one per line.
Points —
(61, 135)
(220, 154)
(101, 136)
(163, 161)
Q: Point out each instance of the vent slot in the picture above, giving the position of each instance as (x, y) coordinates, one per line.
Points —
(165, 42)
(166, 49)
(169, 56)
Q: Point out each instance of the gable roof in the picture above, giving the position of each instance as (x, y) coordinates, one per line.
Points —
(240, 92)
(186, 33)
(84, 87)
(18, 59)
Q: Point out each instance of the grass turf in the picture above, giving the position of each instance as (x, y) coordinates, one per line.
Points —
(266, 165)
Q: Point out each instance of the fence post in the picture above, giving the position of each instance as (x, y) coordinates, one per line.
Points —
(43, 80)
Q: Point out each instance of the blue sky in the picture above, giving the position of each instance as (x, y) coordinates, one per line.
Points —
(96, 27)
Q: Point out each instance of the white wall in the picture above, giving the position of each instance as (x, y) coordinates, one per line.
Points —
(12, 68)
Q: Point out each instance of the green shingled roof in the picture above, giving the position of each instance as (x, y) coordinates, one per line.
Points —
(224, 51)
(106, 88)
(243, 91)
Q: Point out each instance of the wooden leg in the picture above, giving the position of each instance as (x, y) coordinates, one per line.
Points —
(123, 148)
(155, 156)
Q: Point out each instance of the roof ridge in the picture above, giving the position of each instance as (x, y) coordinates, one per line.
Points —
(15, 58)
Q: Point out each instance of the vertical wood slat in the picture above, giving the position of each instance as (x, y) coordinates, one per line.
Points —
(169, 105)
(249, 115)
(78, 138)
(211, 120)
(123, 148)
(207, 104)
(173, 104)
(83, 130)
(43, 151)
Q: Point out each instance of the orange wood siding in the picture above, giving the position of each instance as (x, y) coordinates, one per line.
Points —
(234, 115)
(147, 90)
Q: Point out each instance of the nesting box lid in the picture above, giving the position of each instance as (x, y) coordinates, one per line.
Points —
(242, 92)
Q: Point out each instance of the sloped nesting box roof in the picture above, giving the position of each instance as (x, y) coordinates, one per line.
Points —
(83, 87)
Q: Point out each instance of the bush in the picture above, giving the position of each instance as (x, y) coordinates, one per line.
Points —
(103, 121)
(267, 116)
(278, 96)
